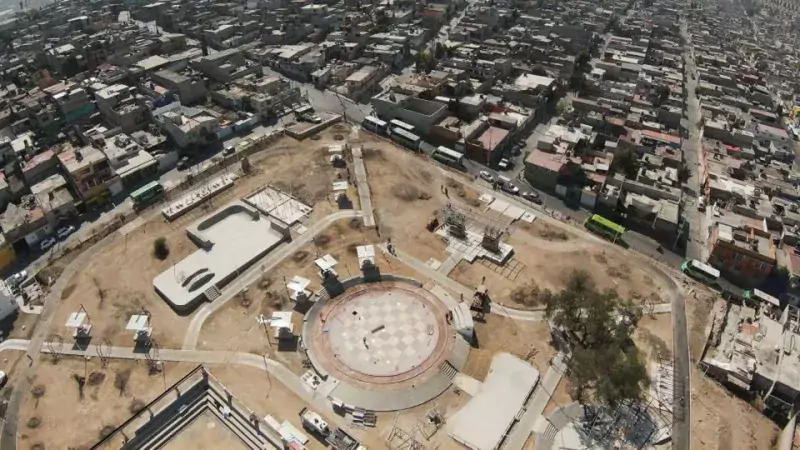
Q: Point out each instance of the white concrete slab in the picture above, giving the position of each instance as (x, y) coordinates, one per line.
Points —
(483, 422)
(467, 384)
(232, 237)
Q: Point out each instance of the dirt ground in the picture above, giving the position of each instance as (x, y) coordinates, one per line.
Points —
(67, 421)
(63, 420)
(653, 337)
(540, 264)
(406, 192)
(447, 404)
(527, 340)
(234, 327)
(118, 280)
(721, 421)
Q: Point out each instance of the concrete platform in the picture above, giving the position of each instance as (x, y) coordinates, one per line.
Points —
(230, 239)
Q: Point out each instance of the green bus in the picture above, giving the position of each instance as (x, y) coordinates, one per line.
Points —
(700, 271)
(602, 226)
(147, 194)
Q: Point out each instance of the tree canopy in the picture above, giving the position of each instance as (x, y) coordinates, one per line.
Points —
(625, 162)
(598, 324)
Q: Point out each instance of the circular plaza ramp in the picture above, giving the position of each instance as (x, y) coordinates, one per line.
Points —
(384, 346)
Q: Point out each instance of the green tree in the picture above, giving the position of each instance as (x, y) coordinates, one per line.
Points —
(425, 62)
(539, 69)
(439, 51)
(561, 106)
(625, 162)
(160, 248)
(583, 62)
(598, 325)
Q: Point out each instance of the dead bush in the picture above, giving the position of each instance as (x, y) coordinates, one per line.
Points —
(601, 258)
(96, 378)
(106, 430)
(81, 384)
(322, 240)
(34, 422)
(622, 272)
(38, 446)
(409, 192)
(38, 391)
(528, 294)
(300, 256)
(136, 406)
(121, 380)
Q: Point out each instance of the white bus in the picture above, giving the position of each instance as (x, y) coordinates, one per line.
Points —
(405, 138)
(375, 125)
(447, 156)
(700, 271)
(400, 124)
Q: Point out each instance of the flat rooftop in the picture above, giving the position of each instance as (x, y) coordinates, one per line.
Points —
(484, 421)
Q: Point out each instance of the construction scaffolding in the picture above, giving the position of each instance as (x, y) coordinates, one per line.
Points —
(431, 422)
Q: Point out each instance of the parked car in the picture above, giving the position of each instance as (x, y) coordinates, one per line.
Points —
(63, 232)
(510, 188)
(3, 378)
(504, 164)
(17, 278)
(532, 197)
(486, 176)
(47, 243)
(229, 149)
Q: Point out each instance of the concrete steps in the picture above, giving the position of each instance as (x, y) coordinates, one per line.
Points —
(163, 425)
(212, 293)
(239, 423)
(448, 370)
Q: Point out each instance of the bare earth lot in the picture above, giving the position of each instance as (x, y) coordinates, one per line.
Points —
(118, 280)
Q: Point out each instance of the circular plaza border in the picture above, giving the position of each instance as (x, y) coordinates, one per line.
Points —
(380, 334)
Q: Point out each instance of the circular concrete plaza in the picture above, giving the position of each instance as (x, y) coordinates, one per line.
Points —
(382, 333)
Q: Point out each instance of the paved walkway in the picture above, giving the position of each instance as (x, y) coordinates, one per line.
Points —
(272, 367)
(535, 408)
(364, 194)
(268, 263)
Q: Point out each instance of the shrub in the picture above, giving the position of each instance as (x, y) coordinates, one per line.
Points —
(160, 248)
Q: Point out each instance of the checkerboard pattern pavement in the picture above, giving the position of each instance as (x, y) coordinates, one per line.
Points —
(384, 336)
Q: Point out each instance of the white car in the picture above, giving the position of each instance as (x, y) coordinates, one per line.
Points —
(3, 378)
(486, 176)
(47, 243)
(510, 188)
(18, 277)
(63, 232)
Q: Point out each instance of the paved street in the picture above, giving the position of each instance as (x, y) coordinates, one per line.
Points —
(692, 153)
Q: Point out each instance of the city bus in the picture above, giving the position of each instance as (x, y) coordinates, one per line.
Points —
(761, 296)
(700, 271)
(375, 125)
(400, 124)
(447, 156)
(405, 138)
(604, 227)
(147, 194)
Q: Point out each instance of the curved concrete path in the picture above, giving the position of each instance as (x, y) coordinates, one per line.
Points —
(268, 263)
